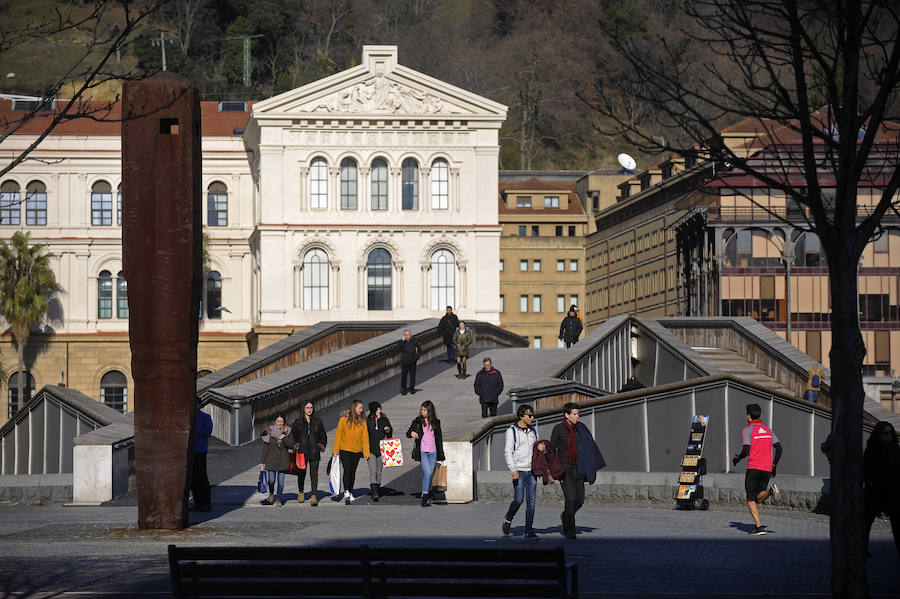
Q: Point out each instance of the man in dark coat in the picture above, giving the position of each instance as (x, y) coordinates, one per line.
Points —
(409, 349)
(570, 328)
(448, 325)
(199, 480)
(488, 387)
(576, 449)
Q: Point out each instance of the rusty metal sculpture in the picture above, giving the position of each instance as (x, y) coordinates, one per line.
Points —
(161, 252)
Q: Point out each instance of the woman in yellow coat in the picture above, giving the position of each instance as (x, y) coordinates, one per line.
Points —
(352, 443)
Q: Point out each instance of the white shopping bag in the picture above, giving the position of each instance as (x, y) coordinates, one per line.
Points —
(335, 476)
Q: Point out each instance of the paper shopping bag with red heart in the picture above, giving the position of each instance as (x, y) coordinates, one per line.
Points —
(391, 452)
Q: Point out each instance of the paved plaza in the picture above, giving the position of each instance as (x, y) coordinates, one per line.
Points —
(621, 551)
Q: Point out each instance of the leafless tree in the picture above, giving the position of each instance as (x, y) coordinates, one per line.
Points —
(818, 78)
(108, 26)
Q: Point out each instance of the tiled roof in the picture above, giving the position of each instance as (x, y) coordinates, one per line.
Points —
(104, 119)
(540, 185)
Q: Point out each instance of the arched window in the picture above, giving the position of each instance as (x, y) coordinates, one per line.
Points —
(440, 185)
(315, 280)
(442, 278)
(410, 174)
(318, 184)
(114, 390)
(13, 391)
(36, 204)
(121, 296)
(104, 294)
(119, 205)
(378, 279)
(9, 203)
(217, 205)
(213, 295)
(101, 204)
(379, 184)
(348, 184)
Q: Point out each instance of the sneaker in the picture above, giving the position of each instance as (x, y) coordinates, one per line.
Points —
(774, 489)
(757, 530)
(529, 534)
(506, 526)
(352, 497)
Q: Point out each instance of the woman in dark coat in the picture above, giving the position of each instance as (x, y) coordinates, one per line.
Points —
(275, 459)
(379, 428)
(311, 439)
(881, 479)
(429, 445)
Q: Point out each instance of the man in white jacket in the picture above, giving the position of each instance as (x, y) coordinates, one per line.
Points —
(520, 439)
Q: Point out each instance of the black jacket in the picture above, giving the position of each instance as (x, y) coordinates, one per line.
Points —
(310, 436)
(409, 351)
(488, 385)
(570, 329)
(589, 459)
(378, 430)
(416, 427)
(448, 325)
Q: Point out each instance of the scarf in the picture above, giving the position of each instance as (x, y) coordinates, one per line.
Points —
(572, 447)
(277, 431)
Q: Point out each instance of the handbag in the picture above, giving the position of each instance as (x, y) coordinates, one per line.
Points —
(391, 453)
(298, 462)
(263, 484)
(335, 477)
(439, 479)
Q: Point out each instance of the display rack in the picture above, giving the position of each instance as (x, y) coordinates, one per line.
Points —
(689, 493)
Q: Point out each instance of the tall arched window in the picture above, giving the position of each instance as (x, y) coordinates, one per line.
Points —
(410, 174)
(442, 279)
(121, 296)
(9, 204)
(440, 185)
(13, 391)
(36, 204)
(213, 295)
(101, 204)
(379, 184)
(315, 280)
(119, 205)
(104, 294)
(217, 205)
(318, 183)
(114, 390)
(348, 184)
(378, 279)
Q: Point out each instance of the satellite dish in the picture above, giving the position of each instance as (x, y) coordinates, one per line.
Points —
(627, 162)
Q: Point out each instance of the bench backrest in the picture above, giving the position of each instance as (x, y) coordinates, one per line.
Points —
(368, 572)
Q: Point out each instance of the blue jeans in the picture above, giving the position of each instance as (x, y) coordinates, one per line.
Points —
(429, 459)
(272, 474)
(525, 489)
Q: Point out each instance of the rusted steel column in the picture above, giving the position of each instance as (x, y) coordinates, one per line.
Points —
(161, 252)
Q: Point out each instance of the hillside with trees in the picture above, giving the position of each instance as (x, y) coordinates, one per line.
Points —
(535, 56)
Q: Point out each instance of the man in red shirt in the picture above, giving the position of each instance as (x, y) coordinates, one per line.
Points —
(764, 451)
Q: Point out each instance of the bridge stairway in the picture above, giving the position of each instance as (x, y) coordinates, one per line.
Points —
(731, 362)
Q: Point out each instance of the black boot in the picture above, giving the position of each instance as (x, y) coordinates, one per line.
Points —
(373, 491)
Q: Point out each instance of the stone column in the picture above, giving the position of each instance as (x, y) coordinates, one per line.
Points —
(394, 190)
(398, 274)
(304, 187)
(425, 189)
(426, 283)
(161, 250)
(463, 283)
(334, 188)
(362, 190)
(336, 277)
(454, 188)
(361, 286)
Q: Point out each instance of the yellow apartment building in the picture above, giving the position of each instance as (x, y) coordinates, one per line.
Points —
(541, 253)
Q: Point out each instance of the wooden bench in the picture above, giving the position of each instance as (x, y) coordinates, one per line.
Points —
(370, 572)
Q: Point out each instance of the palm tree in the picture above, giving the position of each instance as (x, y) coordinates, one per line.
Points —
(26, 285)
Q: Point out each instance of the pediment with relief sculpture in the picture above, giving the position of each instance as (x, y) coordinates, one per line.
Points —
(379, 86)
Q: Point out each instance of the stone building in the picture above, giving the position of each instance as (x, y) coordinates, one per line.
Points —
(367, 195)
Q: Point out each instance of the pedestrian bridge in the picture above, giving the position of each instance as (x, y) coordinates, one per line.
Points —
(637, 381)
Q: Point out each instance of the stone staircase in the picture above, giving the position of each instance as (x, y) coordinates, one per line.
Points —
(731, 362)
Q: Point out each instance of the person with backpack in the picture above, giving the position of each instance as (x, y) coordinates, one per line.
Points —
(764, 451)
(570, 328)
(520, 439)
